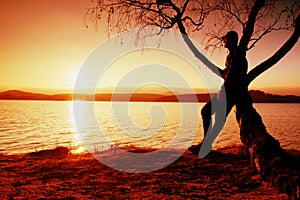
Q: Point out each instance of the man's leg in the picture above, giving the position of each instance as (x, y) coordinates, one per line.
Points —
(206, 113)
(223, 107)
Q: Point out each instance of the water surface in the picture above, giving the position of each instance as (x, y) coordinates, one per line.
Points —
(26, 126)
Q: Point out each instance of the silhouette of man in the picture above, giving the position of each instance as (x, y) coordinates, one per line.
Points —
(230, 94)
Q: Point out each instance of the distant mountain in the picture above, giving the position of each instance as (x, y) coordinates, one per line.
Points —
(258, 97)
(185, 98)
(128, 97)
(21, 95)
(262, 97)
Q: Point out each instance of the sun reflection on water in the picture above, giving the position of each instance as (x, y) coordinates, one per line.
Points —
(78, 127)
(77, 146)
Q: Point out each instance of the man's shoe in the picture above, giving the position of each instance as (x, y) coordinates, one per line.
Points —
(195, 148)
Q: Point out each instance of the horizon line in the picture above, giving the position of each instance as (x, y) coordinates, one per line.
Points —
(151, 90)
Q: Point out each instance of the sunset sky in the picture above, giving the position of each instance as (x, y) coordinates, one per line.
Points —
(44, 43)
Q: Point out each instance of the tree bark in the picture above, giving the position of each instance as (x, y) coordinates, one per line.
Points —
(264, 151)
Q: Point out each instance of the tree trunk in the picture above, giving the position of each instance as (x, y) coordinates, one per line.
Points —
(265, 152)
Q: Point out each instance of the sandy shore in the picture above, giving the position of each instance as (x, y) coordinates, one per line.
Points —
(223, 174)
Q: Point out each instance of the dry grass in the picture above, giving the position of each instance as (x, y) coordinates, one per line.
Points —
(223, 174)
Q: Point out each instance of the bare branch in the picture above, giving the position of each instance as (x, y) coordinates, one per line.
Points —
(199, 23)
(249, 28)
(257, 18)
(278, 55)
(228, 10)
(215, 69)
(185, 6)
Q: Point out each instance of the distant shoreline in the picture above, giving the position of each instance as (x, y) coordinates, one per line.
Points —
(257, 95)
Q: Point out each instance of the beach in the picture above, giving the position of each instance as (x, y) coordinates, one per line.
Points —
(223, 174)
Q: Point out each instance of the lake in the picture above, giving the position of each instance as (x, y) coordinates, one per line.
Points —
(27, 126)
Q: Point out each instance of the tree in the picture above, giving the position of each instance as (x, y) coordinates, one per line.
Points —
(256, 18)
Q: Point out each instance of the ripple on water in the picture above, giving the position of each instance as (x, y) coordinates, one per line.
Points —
(29, 125)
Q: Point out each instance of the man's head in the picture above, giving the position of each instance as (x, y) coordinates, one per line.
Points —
(230, 39)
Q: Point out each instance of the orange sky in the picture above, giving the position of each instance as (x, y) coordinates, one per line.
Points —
(44, 43)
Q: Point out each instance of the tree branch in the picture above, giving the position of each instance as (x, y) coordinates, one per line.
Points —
(231, 13)
(185, 6)
(215, 69)
(248, 30)
(196, 24)
(268, 29)
(278, 55)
